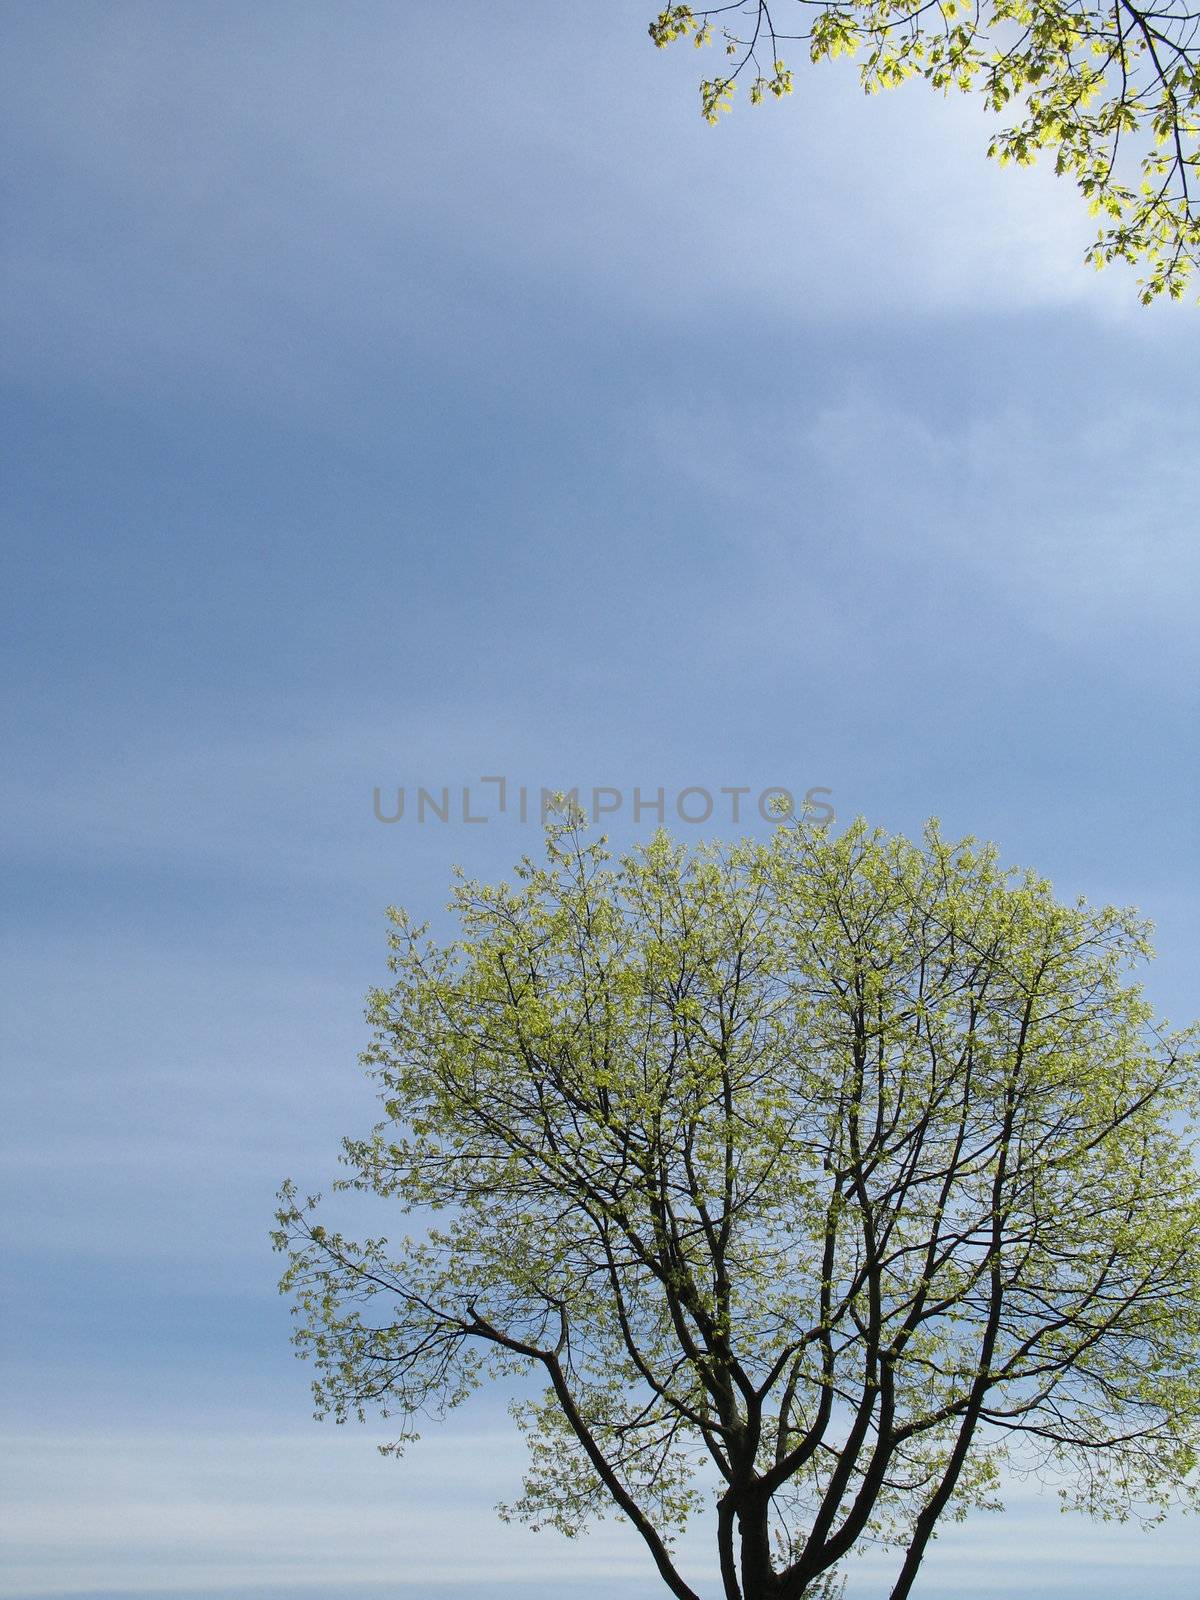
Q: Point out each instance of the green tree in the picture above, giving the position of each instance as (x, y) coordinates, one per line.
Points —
(811, 1176)
(1110, 87)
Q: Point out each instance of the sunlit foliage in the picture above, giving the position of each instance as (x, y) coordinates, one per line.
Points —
(1112, 91)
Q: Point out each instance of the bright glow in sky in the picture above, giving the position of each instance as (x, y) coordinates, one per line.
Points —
(397, 395)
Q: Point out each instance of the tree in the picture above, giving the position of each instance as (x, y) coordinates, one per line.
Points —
(1111, 87)
(812, 1177)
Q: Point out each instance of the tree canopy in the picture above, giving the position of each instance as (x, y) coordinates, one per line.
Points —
(810, 1178)
(1111, 89)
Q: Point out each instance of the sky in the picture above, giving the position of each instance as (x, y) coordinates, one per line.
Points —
(400, 396)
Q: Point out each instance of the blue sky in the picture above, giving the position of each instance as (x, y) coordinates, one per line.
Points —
(393, 401)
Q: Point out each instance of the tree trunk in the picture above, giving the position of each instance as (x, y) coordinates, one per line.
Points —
(759, 1578)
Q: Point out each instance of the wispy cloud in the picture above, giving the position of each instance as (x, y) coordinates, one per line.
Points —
(318, 1511)
(186, 1514)
(1083, 531)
